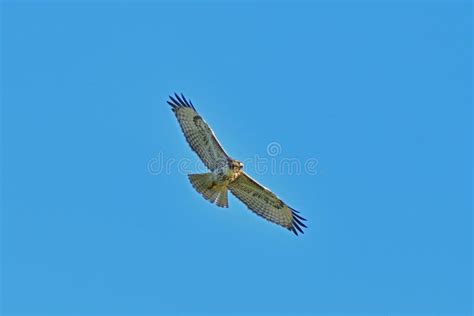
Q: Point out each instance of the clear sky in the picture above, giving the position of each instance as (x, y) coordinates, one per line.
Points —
(380, 96)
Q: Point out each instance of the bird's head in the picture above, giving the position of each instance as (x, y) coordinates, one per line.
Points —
(236, 165)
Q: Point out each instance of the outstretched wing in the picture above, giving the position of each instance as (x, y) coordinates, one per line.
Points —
(198, 134)
(265, 203)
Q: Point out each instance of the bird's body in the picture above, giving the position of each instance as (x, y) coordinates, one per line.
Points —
(227, 173)
(213, 186)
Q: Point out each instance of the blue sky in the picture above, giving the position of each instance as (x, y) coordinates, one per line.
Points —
(380, 95)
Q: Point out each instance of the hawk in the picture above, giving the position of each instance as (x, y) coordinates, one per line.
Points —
(226, 173)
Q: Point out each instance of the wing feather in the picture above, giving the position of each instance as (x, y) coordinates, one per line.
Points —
(199, 135)
(266, 204)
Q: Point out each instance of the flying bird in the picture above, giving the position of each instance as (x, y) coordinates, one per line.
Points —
(226, 173)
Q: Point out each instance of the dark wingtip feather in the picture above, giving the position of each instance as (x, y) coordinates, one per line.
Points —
(174, 101)
(293, 210)
(180, 101)
(299, 217)
(172, 104)
(293, 230)
(297, 222)
(179, 98)
(185, 101)
(298, 227)
(188, 102)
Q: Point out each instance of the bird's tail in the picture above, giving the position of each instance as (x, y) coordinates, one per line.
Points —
(204, 184)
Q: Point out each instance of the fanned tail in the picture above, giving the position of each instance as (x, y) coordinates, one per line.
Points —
(221, 200)
(203, 183)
